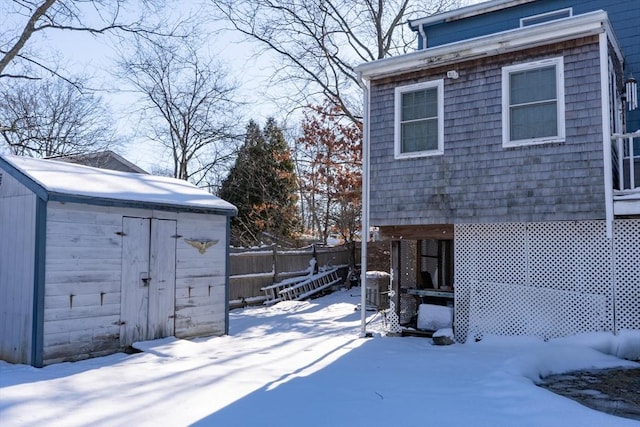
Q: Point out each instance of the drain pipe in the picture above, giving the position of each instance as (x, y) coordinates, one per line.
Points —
(606, 99)
(423, 37)
(365, 207)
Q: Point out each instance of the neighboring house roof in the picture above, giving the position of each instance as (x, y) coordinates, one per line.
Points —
(506, 41)
(68, 182)
(102, 159)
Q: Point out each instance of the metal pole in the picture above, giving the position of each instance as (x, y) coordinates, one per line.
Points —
(365, 209)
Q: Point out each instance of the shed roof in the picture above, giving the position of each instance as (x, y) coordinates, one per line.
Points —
(68, 182)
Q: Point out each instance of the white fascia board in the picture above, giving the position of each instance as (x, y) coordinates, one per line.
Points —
(587, 24)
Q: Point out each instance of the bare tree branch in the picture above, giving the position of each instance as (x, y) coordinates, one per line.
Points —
(51, 118)
(191, 104)
(19, 76)
(96, 17)
(26, 33)
(320, 42)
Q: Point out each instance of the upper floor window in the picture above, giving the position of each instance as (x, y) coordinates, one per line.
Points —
(419, 119)
(533, 103)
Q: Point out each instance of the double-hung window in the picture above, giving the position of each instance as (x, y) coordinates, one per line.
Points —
(533, 103)
(419, 119)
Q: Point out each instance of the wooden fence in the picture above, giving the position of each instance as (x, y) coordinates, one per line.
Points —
(251, 270)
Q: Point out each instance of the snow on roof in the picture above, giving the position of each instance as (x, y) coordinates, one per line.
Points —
(586, 24)
(69, 179)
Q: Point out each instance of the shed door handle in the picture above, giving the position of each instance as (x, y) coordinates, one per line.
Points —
(144, 277)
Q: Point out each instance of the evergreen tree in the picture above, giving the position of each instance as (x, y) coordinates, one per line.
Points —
(262, 185)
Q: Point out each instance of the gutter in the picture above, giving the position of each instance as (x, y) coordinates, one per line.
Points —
(588, 24)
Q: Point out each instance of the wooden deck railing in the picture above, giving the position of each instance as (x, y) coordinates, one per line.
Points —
(626, 161)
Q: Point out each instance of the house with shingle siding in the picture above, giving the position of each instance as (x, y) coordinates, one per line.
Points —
(504, 167)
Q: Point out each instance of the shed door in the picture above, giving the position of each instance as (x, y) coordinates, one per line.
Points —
(148, 279)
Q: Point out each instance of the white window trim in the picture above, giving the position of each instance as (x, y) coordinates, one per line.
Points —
(553, 15)
(506, 132)
(439, 84)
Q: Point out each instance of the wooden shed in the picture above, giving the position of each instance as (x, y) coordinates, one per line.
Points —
(93, 260)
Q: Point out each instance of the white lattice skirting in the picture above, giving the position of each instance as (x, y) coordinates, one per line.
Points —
(546, 279)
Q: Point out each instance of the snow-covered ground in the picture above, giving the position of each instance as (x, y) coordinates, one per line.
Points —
(303, 364)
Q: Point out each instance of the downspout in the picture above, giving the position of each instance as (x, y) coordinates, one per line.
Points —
(422, 41)
(365, 207)
(606, 133)
(607, 158)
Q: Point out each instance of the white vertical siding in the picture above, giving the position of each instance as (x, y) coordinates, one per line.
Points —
(17, 257)
(148, 279)
(162, 287)
(134, 301)
(200, 278)
(83, 275)
(83, 292)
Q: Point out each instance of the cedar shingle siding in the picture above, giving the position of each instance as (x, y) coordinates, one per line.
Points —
(477, 180)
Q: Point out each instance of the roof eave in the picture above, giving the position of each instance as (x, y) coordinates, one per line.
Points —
(37, 188)
(138, 204)
(508, 41)
(465, 12)
(45, 194)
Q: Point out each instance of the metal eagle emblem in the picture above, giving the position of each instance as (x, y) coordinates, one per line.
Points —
(201, 245)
